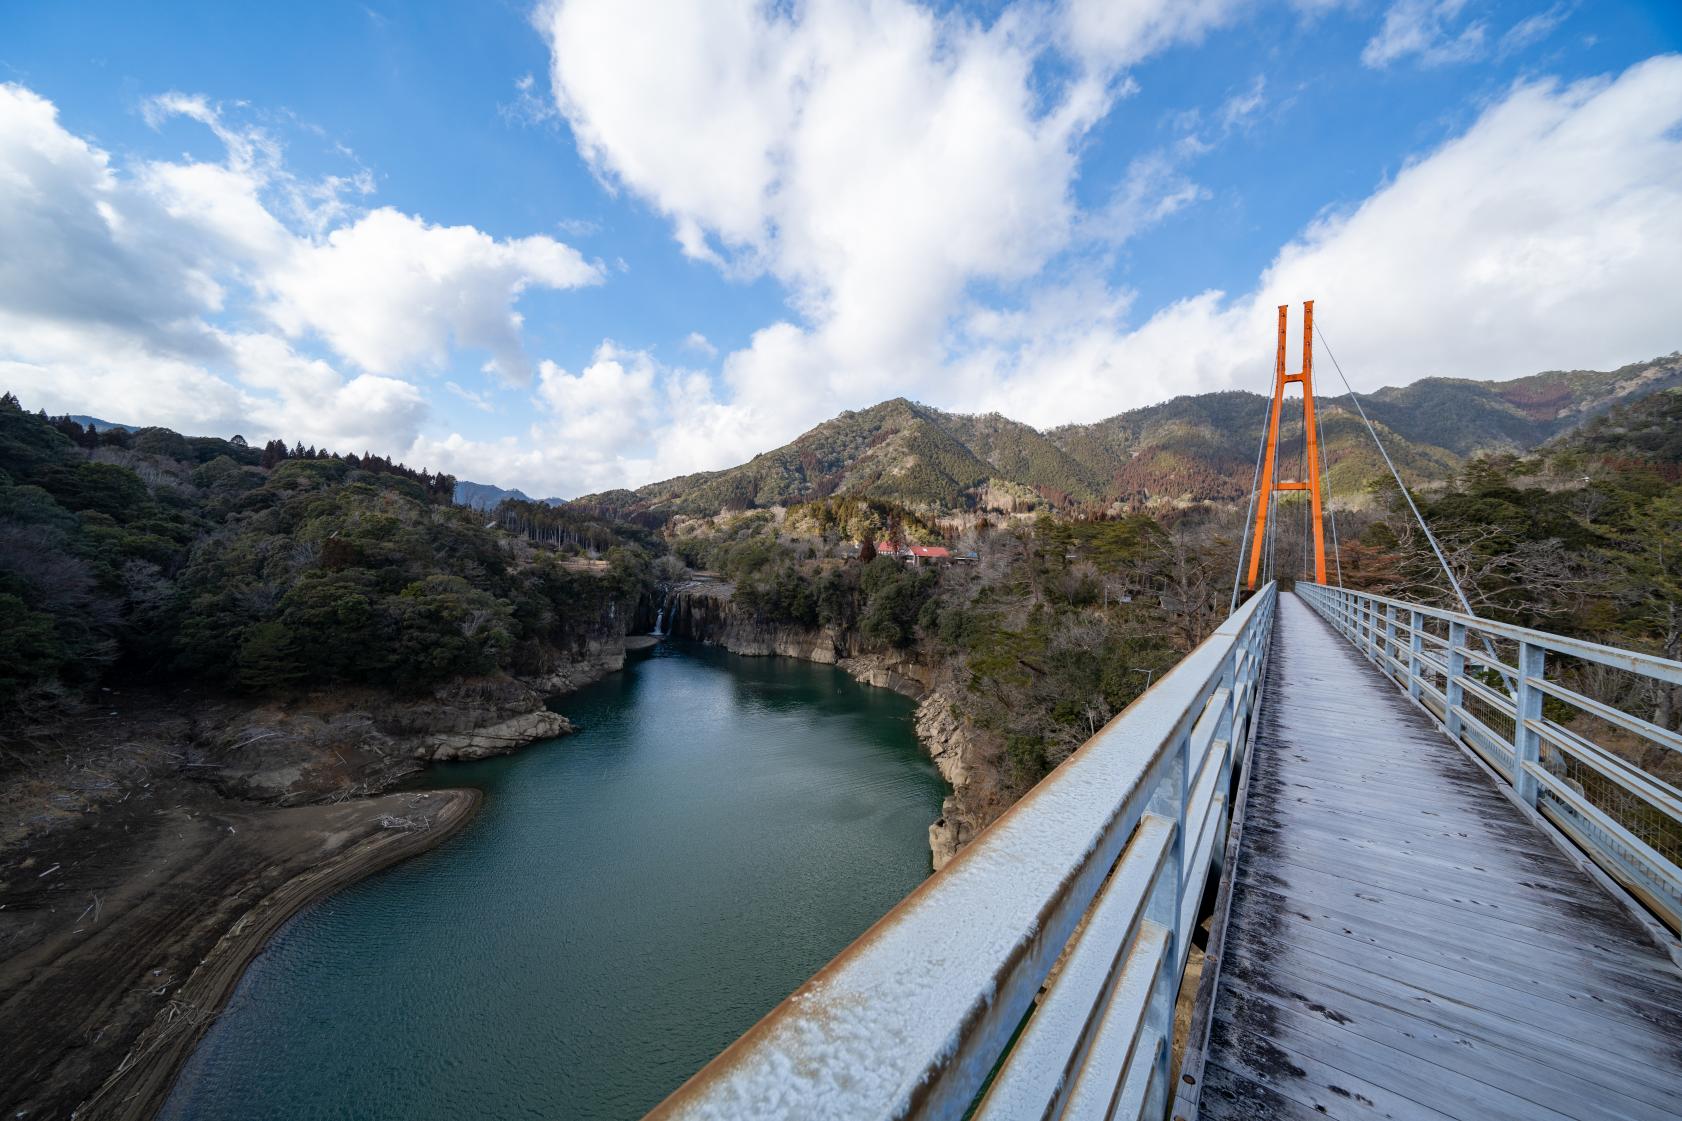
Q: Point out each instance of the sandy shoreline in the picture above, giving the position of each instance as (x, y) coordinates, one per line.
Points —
(131, 982)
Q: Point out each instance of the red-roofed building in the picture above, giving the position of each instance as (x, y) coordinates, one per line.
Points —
(914, 554)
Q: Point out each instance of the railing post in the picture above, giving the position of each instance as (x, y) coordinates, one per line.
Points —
(1416, 645)
(1163, 903)
(1527, 706)
(1389, 642)
(1454, 694)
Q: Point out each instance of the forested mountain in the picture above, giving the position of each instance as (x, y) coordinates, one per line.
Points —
(485, 496)
(151, 556)
(1190, 449)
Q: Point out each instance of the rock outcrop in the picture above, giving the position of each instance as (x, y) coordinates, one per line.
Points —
(497, 739)
(328, 741)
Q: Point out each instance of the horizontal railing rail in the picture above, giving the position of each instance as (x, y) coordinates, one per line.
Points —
(1097, 873)
(1628, 820)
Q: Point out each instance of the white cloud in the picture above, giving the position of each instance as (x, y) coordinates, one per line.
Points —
(878, 159)
(478, 400)
(1240, 109)
(1422, 28)
(152, 293)
(1533, 29)
(588, 433)
(843, 159)
(700, 344)
(1544, 237)
(1122, 32)
(391, 292)
(1153, 188)
(306, 395)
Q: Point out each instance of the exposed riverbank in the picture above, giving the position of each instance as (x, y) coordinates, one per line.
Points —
(625, 904)
(139, 876)
(159, 841)
(138, 925)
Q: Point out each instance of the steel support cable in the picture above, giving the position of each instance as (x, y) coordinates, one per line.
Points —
(1397, 475)
(1249, 512)
(1273, 529)
(1465, 604)
(1331, 514)
(1273, 514)
(1307, 505)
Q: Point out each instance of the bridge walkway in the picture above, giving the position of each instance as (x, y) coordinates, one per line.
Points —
(1402, 941)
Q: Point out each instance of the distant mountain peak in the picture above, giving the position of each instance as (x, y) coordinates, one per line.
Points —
(1191, 448)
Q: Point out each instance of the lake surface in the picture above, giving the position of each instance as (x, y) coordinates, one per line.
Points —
(628, 901)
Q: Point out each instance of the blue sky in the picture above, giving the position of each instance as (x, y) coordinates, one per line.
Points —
(594, 243)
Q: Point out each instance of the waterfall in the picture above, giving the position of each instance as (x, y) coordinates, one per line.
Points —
(660, 615)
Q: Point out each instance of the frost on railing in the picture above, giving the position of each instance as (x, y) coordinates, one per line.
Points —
(948, 1006)
(1598, 751)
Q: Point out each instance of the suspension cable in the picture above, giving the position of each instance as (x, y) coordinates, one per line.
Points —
(1488, 645)
(1307, 506)
(1272, 570)
(1331, 514)
(1243, 532)
(1397, 475)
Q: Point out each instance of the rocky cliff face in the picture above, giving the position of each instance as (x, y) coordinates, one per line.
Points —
(968, 759)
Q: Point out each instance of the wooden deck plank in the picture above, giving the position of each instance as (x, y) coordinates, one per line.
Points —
(1311, 1065)
(1624, 973)
(1400, 931)
(1228, 1096)
(1505, 1079)
(1412, 960)
(1461, 904)
(1454, 857)
(1626, 1058)
(1384, 871)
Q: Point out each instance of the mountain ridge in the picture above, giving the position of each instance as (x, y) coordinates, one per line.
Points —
(1191, 448)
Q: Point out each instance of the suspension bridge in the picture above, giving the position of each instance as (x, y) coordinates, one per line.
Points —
(1428, 879)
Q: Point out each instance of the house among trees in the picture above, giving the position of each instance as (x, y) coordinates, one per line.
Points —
(915, 555)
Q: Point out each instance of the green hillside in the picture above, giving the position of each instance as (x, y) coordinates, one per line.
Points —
(1190, 449)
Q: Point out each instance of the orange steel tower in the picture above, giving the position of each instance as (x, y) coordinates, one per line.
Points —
(1312, 484)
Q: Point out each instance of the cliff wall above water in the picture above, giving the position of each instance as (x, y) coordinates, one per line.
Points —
(967, 757)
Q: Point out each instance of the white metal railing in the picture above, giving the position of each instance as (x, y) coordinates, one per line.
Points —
(1627, 820)
(1098, 871)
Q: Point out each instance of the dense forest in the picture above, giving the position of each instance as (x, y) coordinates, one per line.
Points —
(1583, 537)
(1054, 626)
(147, 556)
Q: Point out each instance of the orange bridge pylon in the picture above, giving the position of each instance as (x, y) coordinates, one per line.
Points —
(1311, 436)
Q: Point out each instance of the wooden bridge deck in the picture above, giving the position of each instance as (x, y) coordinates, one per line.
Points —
(1403, 942)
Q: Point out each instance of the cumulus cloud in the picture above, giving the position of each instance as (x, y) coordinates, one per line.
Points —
(390, 292)
(1113, 33)
(181, 292)
(844, 162)
(589, 431)
(877, 159)
(1544, 237)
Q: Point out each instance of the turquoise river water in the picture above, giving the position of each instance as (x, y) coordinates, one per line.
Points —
(628, 901)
